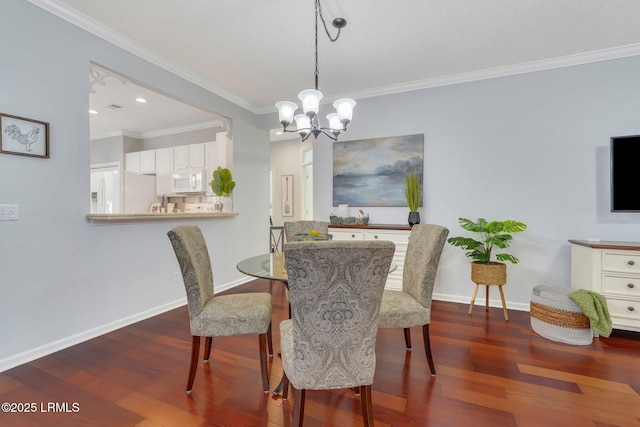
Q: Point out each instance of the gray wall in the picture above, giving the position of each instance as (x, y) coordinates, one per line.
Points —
(63, 279)
(531, 147)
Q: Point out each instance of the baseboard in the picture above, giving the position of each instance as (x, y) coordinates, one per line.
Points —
(492, 303)
(52, 347)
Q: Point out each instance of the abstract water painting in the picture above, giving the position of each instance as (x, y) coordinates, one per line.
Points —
(371, 172)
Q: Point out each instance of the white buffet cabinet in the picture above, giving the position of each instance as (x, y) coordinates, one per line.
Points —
(613, 270)
(397, 234)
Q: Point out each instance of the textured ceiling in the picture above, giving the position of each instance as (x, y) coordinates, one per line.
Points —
(258, 52)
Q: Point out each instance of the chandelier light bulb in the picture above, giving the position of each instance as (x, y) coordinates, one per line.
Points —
(344, 108)
(303, 123)
(286, 110)
(310, 101)
(334, 123)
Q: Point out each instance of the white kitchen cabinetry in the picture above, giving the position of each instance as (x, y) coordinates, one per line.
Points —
(141, 162)
(613, 270)
(192, 156)
(164, 165)
(398, 235)
(223, 147)
(132, 162)
(148, 162)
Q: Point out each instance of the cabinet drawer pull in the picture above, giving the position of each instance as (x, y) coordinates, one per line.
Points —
(353, 236)
(631, 286)
(631, 262)
(375, 237)
(631, 308)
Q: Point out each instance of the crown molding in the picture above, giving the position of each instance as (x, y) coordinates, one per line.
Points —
(510, 70)
(94, 27)
(162, 132)
(107, 34)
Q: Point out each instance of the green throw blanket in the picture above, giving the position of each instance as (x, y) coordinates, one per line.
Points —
(595, 308)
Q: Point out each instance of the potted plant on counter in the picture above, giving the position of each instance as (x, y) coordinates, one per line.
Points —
(412, 196)
(223, 185)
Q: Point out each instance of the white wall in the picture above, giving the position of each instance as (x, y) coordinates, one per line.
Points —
(531, 147)
(286, 159)
(62, 279)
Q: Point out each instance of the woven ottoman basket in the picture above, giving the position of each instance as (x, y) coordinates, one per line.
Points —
(555, 316)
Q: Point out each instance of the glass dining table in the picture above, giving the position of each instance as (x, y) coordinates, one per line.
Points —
(271, 267)
(266, 266)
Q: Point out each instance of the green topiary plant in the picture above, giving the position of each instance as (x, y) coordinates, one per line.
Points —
(491, 234)
(222, 183)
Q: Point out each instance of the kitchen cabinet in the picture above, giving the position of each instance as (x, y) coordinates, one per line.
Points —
(223, 151)
(141, 162)
(192, 156)
(132, 162)
(613, 270)
(164, 168)
(397, 234)
(148, 162)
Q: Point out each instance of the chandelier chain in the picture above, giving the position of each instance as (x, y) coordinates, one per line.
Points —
(332, 39)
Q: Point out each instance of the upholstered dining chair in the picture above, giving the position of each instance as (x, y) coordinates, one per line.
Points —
(412, 305)
(291, 228)
(335, 289)
(217, 315)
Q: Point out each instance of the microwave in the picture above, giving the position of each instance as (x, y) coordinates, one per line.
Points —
(189, 181)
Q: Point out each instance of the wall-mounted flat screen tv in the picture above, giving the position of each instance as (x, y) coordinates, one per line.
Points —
(625, 173)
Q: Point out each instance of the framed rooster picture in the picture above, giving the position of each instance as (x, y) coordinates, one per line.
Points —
(24, 137)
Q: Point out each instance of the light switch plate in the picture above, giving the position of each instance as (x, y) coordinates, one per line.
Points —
(9, 213)
(13, 213)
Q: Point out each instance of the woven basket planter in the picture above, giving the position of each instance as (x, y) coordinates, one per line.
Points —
(492, 273)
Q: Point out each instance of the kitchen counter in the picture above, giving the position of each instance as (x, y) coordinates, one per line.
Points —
(141, 217)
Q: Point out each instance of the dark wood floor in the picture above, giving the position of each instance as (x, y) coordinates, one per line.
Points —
(490, 372)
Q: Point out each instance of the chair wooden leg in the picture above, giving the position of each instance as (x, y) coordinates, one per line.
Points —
(262, 338)
(427, 348)
(298, 407)
(473, 298)
(195, 350)
(285, 387)
(504, 304)
(367, 405)
(207, 348)
(407, 338)
(270, 341)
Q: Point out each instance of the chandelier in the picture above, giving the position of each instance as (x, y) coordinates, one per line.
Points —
(308, 123)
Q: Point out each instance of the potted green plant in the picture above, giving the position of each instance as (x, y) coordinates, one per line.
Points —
(488, 267)
(412, 195)
(222, 185)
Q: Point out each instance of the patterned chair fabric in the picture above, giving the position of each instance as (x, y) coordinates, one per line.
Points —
(412, 306)
(291, 228)
(210, 315)
(335, 289)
